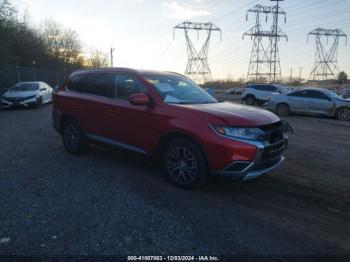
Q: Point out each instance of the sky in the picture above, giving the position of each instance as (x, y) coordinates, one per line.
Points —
(141, 31)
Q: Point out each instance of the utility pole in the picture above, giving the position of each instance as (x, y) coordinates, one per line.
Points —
(112, 58)
(300, 70)
(197, 64)
(291, 74)
(326, 60)
(34, 73)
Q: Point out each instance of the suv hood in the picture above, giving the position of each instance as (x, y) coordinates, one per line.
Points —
(238, 115)
(12, 94)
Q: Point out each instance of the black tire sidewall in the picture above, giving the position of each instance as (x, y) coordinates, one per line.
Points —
(197, 153)
(253, 100)
(338, 112)
(83, 143)
(286, 109)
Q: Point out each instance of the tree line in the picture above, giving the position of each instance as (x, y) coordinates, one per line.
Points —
(50, 46)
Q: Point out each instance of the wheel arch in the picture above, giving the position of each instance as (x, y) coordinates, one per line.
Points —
(167, 138)
(63, 119)
(286, 104)
(340, 108)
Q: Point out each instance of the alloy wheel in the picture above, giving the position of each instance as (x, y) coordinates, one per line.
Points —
(182, 165)
(344, 114)
(71, 138)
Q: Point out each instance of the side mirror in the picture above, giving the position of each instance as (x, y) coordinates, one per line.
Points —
(139, 99)
(43, 89)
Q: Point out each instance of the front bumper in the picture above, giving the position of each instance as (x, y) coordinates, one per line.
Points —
(26, 103)
(268, 157)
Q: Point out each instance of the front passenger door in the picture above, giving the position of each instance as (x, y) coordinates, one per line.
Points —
(130, 125)
(298, 101)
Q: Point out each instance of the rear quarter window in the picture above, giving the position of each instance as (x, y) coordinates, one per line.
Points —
(77, 84)
(93, 84)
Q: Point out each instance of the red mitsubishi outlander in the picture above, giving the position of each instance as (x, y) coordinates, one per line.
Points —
(166, 115)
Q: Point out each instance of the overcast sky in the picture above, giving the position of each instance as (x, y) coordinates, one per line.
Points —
(141, 30)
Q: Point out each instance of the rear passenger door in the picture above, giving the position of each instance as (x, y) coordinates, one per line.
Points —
(90, 93)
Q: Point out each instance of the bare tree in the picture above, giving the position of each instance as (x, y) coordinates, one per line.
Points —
(98, 59)
(62, 43)
(7, 11)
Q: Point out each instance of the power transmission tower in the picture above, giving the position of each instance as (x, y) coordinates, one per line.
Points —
(326, 59)
(264, 60)
(197, 65)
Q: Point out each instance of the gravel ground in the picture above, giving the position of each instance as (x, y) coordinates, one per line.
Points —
(109, 202)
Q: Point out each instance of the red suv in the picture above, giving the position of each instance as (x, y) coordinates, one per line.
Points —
(166, 115)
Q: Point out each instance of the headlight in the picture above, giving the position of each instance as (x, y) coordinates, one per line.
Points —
(240, 132)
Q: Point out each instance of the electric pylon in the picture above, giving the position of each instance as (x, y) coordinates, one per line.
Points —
(197, 65)
(264, 61)
(326, 59)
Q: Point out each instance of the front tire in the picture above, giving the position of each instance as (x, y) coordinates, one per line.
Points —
(343, 114)
(184, 164)
(250, 100)
(74, 141)
(283, 110)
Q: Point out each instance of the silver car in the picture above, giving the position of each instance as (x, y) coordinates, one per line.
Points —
(27, 94)
(313, 101)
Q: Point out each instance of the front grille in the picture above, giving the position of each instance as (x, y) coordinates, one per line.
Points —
(15, 99)
(274, 150)
(273, 132)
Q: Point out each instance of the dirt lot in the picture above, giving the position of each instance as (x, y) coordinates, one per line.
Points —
(112, 203)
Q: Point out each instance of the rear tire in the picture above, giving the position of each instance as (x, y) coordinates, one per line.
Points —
(250, 100)
(184, 164)
(74, 140)
(343, 114)
(283, 110)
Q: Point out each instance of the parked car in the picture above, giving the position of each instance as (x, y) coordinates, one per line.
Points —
(27, 94)
(168, 116)
(261, 93)
(235, 91)
(315, 101)
(346, 95)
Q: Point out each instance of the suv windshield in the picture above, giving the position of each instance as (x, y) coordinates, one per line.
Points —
(179, 90)
(25, 87)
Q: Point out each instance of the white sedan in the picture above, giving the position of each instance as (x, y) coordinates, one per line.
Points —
(27, 94)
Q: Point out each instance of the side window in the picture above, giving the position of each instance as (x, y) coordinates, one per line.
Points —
(273, 89)
(77, 84)
(93, 84)
(100, 85)
(127, 86)
(318, 95)
(299, 94)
